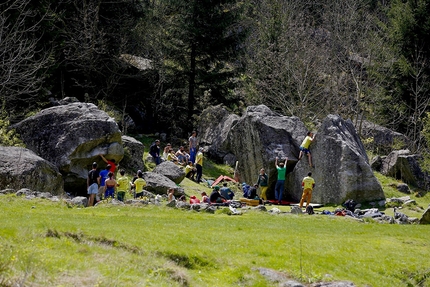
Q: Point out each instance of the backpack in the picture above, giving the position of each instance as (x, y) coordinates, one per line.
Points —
(310, 210)
(350, 204)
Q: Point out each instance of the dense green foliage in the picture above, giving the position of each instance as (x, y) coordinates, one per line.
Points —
(162, 62)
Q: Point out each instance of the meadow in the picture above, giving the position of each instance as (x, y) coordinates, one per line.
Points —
(46, 243)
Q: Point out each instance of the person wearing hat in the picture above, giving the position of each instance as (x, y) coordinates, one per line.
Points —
(93, 181)
(216, 197)
(199, 165)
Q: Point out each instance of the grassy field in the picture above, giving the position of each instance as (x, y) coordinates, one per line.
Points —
(46, 243)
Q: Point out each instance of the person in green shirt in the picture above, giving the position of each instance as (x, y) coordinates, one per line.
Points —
(122, 185)
(279, 187)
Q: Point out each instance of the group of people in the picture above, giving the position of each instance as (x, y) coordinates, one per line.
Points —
(192, 161)
(308, 182)
(103, 183)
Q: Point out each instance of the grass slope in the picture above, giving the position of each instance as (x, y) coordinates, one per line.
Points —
(50, 244)
(46, 243)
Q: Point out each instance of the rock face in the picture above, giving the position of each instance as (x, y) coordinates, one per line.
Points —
(342, 169)
(262, 135)
(133, 154)
(425, 219)
(159, 184)
(214, 127)
(254, 140)
(72, 137)
(403, 165)
(379, 137)
(22, 168)
(171, 171)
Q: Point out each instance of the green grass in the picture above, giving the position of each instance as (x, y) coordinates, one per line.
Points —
(50, 244)
(46, 243)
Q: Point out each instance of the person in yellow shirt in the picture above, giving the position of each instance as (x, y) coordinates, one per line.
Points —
(199, 165)
(308, 184)
(122, 185)
(139, 184)
(304, 147)
(190, 171)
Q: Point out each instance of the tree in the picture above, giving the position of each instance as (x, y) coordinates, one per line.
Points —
(23, 62)
(311, 59)
(410, 35)
(201, 42)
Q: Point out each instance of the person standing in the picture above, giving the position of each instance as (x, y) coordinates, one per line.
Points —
(199, 165)
(193, 142)
(111, 162)
(304, 147)
(93, 181)
(139, 184)
(122, 185)
(103, 176)
(263, 183)
(154, 151)
(110, 185)
(308, 184)
(280, 183)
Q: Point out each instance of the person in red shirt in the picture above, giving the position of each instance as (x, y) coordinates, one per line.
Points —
(112, 163)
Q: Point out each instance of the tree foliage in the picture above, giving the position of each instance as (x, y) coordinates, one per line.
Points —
(359, 59)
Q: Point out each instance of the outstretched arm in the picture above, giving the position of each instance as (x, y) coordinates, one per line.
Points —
(285, 164)
(276, 162)
(103, 158)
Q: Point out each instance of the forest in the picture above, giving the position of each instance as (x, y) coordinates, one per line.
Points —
(162, 62)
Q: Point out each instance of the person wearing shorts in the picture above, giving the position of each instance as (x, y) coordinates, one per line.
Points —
(93, 181)
(304, 147)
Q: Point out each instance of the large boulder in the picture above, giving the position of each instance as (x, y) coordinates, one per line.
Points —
(71, 137)
(260, 136)
(401, 164)
(254, 140)
(171, 171)
(159, 184)
(214, 127)
(380, 138)
(342, 169)
(425, 218)
(22, 168)
(133, 154)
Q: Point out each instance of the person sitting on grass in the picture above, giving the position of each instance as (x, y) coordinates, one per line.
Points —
(226, 191)
(181, 156)
(172, 157)
(205, 198)
(216, 197)
(171, 194)
(166, 151)
(190, 171)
